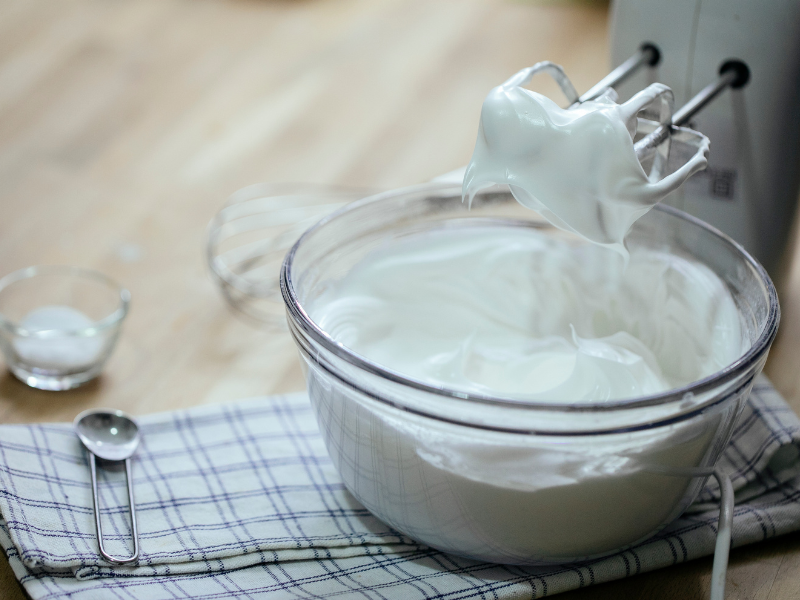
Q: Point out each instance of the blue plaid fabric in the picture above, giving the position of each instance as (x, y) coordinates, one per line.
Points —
(242, 501)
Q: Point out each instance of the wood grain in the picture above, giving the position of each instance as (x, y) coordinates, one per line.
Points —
(125, 125)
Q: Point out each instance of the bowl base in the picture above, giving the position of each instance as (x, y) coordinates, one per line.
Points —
(53, 383)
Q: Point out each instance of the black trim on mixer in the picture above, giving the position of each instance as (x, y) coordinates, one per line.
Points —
(741, 69)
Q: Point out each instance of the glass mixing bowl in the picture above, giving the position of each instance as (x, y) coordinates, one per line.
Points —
(498, 478)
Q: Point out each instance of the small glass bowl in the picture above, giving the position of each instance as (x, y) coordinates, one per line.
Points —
(59, 324)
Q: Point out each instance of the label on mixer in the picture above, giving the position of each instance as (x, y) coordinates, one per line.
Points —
(721, 182)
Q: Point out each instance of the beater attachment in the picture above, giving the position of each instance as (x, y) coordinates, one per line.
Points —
(653, 137)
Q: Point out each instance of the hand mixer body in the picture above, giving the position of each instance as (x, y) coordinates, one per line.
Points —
(750, 189)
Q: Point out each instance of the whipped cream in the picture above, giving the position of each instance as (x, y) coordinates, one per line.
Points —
(512, 311)
(577, 167)
(518, 312)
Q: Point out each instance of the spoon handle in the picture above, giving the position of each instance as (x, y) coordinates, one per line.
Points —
(98, 524)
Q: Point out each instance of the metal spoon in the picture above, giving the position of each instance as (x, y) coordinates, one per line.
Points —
(110, 435)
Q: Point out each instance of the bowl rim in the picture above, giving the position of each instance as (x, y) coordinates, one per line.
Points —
(306, 325)
(107, 322)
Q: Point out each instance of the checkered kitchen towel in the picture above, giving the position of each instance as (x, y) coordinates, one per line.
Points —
(242, 501)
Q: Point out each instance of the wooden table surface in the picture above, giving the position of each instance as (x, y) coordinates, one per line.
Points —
(125, 125)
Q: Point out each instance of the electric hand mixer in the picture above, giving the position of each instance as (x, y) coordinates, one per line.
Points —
(750, 188)
(699, 48)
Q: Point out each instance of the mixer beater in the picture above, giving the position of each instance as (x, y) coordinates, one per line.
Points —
(654, 136)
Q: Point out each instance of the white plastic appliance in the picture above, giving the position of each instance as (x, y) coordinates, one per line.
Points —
(750, 189)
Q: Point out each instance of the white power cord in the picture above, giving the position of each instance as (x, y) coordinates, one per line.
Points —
(723, 546)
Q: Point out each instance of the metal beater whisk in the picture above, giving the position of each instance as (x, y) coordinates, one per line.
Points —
(732, 73)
